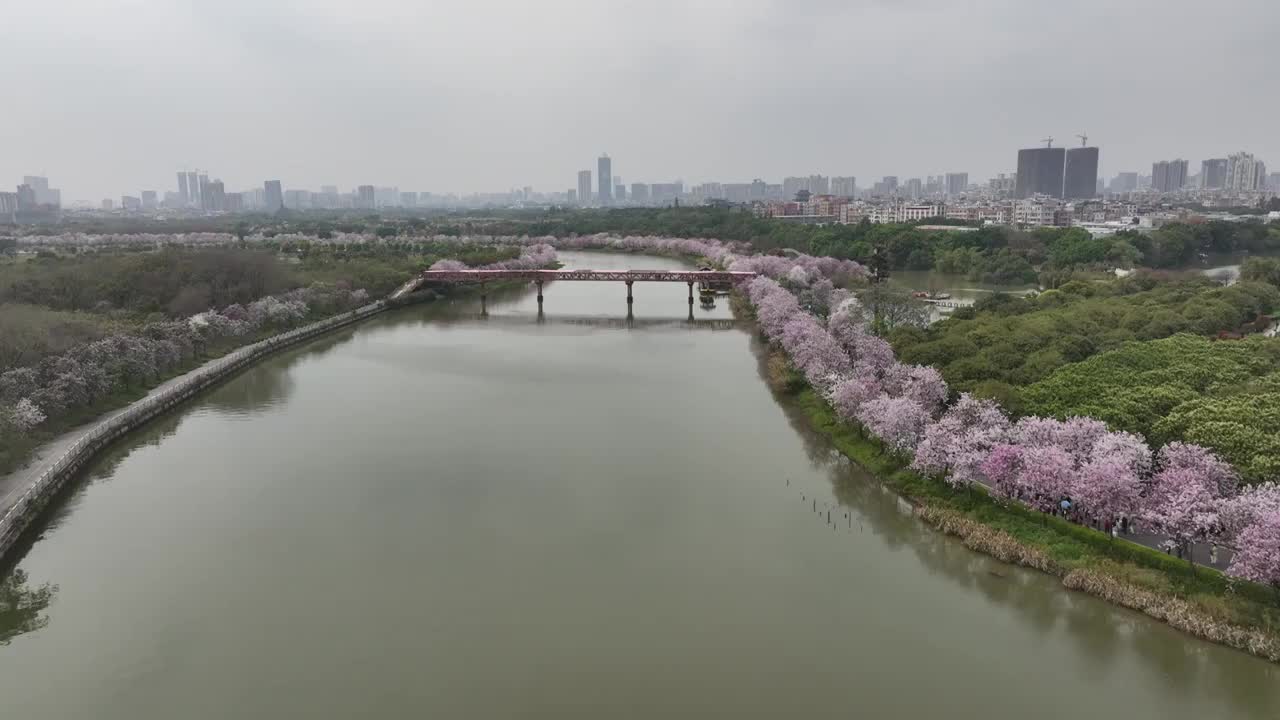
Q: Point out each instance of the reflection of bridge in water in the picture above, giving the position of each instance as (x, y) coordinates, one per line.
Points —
(629, 322)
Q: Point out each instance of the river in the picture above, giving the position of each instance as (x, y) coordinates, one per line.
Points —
(434, 514)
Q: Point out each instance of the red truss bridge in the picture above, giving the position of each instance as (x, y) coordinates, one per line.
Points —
(704, 278)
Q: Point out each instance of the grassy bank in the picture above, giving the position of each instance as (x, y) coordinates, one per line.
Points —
(1195, 599)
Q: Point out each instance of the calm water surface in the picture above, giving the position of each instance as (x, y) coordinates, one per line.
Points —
(435, 515)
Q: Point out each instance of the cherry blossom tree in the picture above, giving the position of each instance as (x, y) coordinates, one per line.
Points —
(957, 444)
(1185, 495)
(899, 422)
(26, 415)
(1258, 557)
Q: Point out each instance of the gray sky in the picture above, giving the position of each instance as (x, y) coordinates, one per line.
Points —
(114, 96)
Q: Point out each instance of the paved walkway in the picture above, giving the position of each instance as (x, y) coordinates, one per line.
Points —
(16, 483)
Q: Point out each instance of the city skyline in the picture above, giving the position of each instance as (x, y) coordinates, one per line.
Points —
(662, 100)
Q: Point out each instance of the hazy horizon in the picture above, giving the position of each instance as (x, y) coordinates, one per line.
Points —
(493, 94)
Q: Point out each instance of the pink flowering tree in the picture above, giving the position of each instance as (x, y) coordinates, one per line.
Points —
(1238, 512)
(1258, 556)
(898, 422)
(961, 440)
(1185, 495)
(26, 415)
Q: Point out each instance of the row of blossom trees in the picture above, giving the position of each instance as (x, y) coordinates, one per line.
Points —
(88, 373)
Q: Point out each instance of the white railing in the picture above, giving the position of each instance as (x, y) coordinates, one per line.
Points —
(24, 511)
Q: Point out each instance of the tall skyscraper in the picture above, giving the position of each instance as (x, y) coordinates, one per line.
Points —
(149, 201)
(1245, 173)
(1040, 172)
(604, 173)
(1213, 173)
(639, 193)
(584, 188)
(819, 185)
(216, 197)
(914, 188)
(204, 191)
(1168, 175)
(957, 183)
(193, 188)
(1080, 176)
(182, 188)
(365, 197)
(274, 196)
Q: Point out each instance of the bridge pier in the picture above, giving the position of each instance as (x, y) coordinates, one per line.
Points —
(484, 300)
(691, 298)
(539, 284)
(629, 298)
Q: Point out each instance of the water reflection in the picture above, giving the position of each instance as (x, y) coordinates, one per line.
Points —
(22, 607)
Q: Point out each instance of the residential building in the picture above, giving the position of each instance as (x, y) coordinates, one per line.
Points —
(1168, 175)
(666, 193)
(365, 197)
(604, 174)
(182, 189)
(619, 192)
(639, 193)
(215, 197)
(26, 197)
(1245, 173)
(1080, 174)
(408, 199)
(914, 188)
(1213, 174)
(956, 183)
(1034, 213)
(108, 204)
(297, 199)
(129, 203)
(1040, 172)
(1124, 182)
(234, 202)
(890, 184)
(571, 196)
(274, 198)
(818, 185)
(793, 185)
(584, 188)
(844, 186)
(149, 201)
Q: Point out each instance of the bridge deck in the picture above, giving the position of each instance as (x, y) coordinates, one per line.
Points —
(684, 276)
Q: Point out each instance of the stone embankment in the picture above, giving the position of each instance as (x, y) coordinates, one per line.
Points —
(23, 507)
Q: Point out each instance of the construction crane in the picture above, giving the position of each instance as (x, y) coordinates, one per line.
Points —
(1084, 140)
(1048, 142)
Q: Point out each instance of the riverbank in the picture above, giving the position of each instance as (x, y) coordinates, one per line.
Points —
(25, 493)
(1196, 600)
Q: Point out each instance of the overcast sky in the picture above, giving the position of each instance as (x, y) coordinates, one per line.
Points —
(108, 97)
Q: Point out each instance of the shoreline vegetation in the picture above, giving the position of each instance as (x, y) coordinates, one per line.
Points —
(1197, 600)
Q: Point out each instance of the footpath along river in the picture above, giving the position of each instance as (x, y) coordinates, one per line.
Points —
(434, 514)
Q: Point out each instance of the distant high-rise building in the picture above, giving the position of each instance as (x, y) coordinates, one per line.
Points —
(1080, 174)
(193, 188)
(408, 199)
(149, 201)
(274, 196)
(819, 185)
(619, 192)
(26, 197)
(1213, 173)
(204, 191)
(841, 186)
(1273, 183)
(1168, 175)
(1245, 173)
(107, 204)
(914, 188)
(584, 188)
(1124, 182)
(233, 202)
(890, 183)
(297, 199)
(957, 183)
(571, 196)
(182, 188)
(365, 197)
(217, 195)
(1040, 172)
(1100, 187)
(604, 173)
(639, 193)
(129, 203)
(793, 185)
